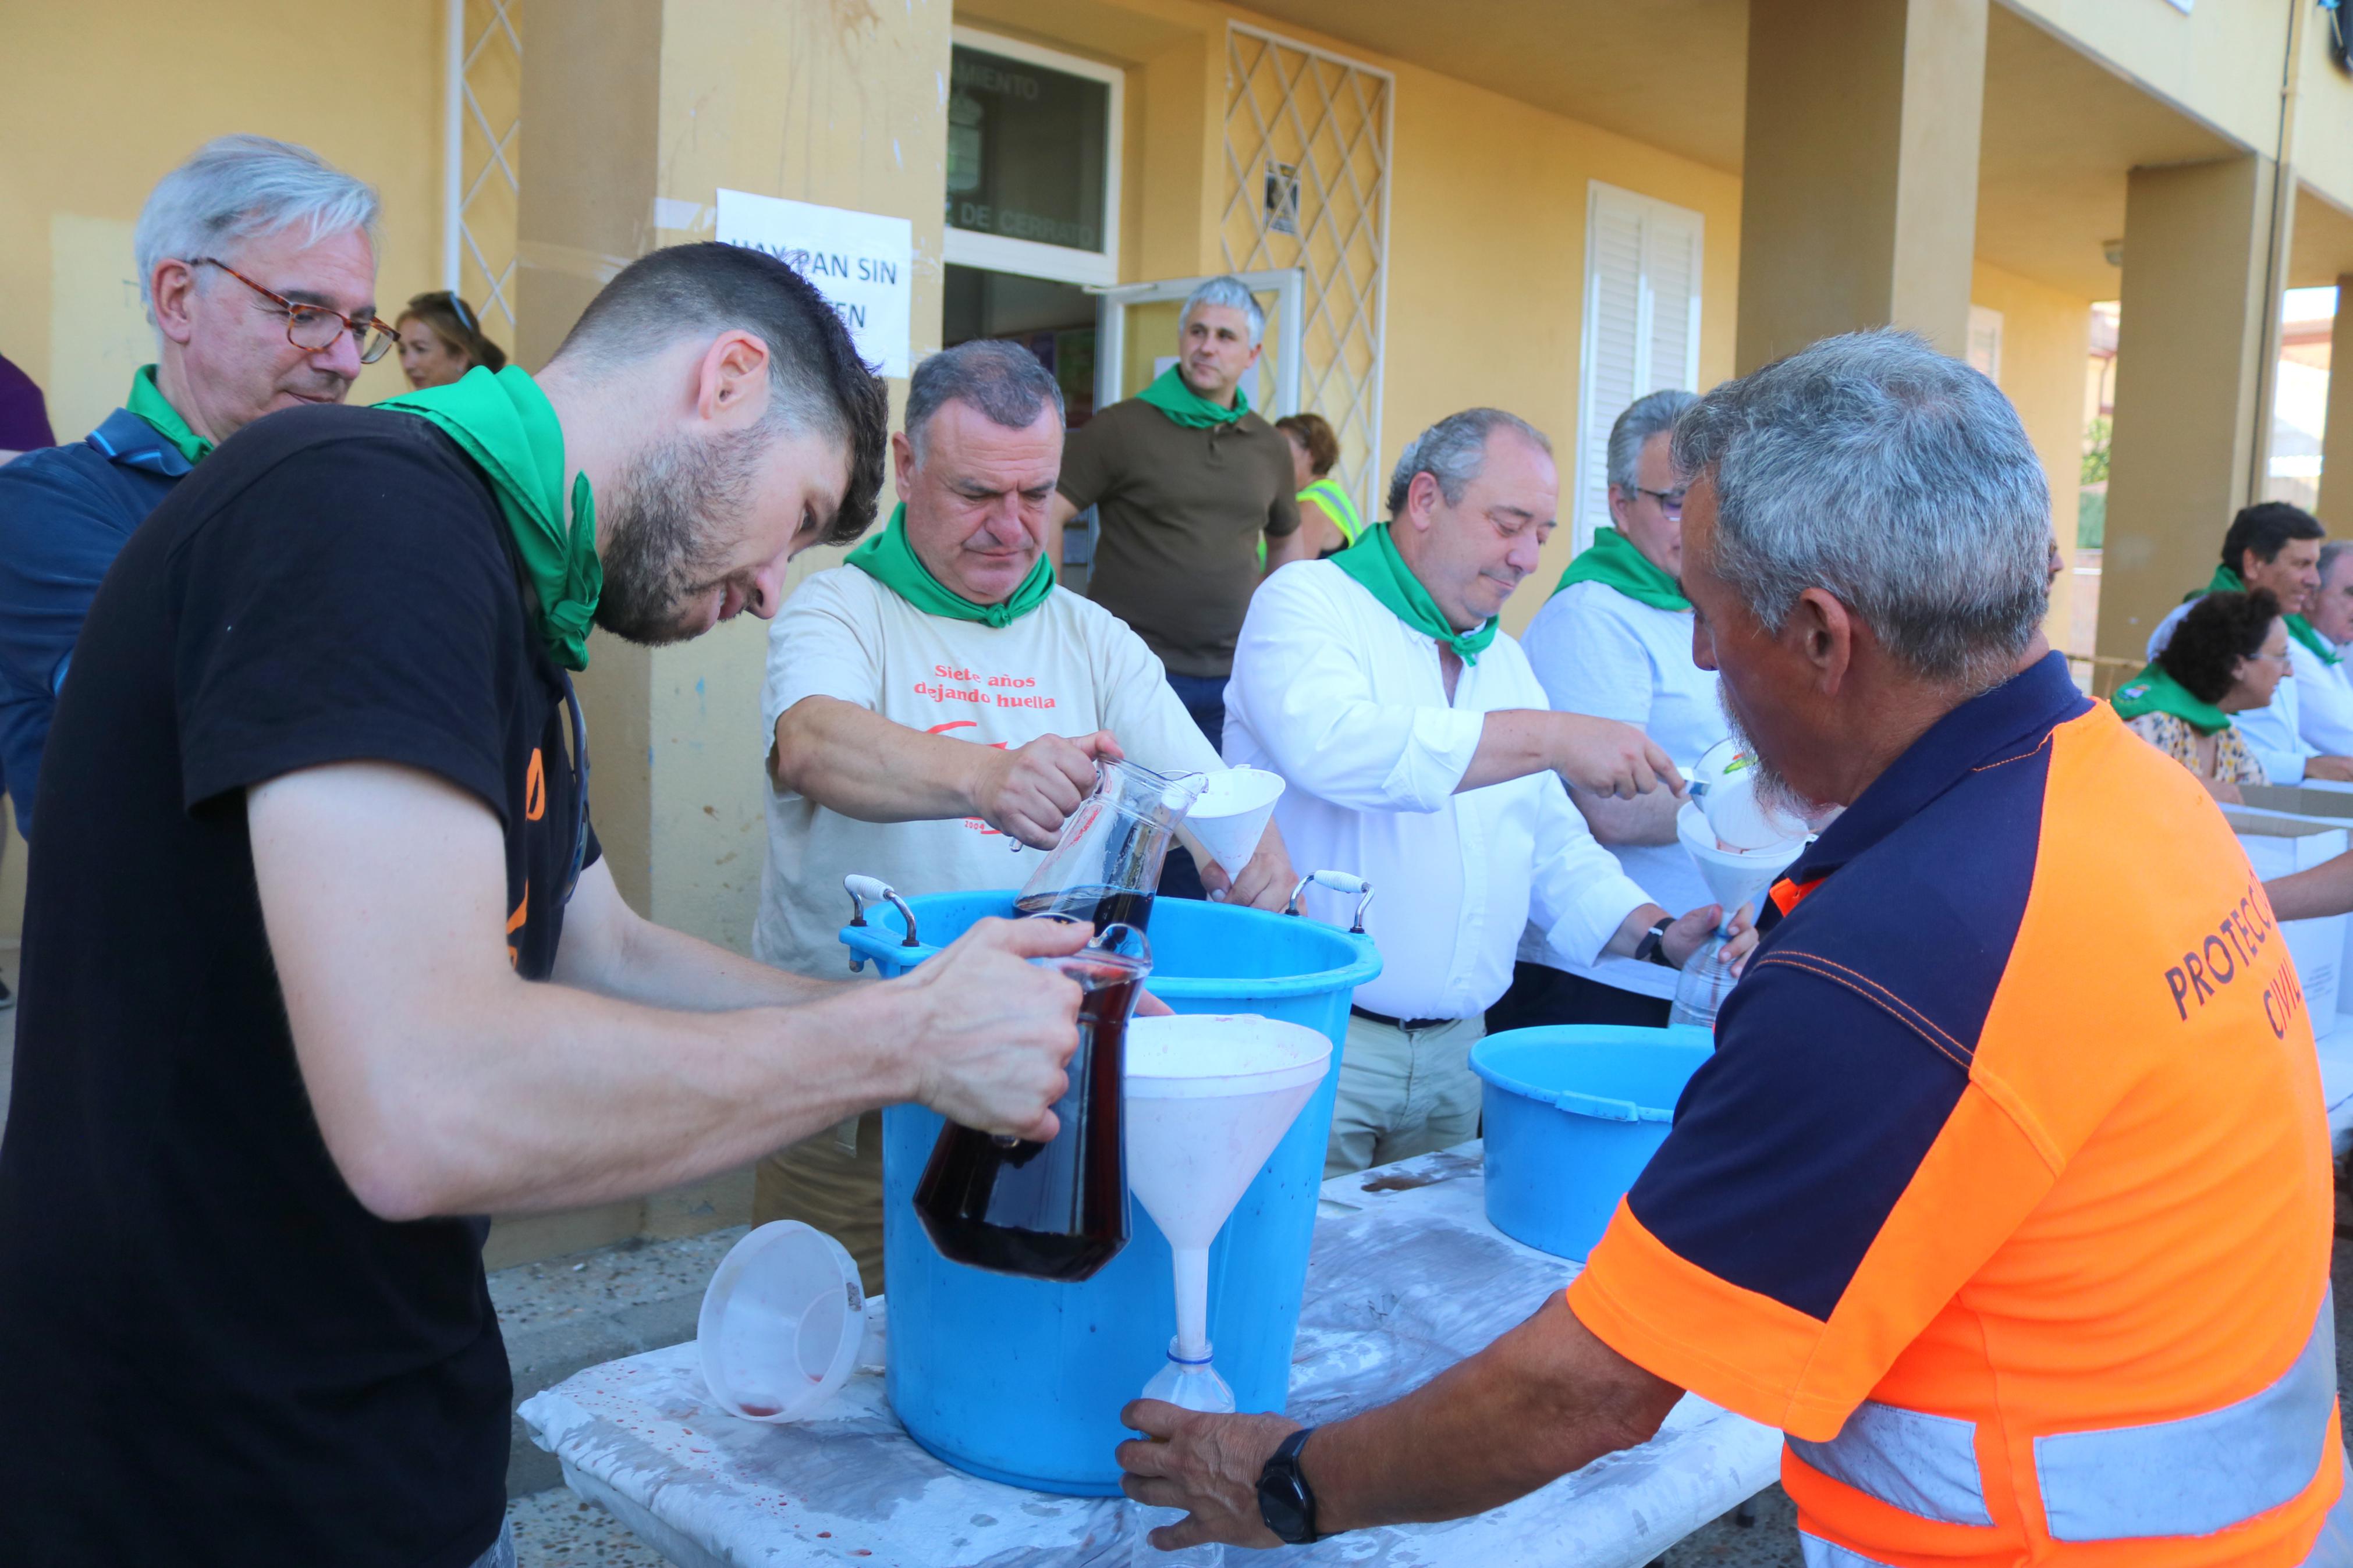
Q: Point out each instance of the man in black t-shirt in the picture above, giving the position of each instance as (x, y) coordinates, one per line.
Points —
(313, 822)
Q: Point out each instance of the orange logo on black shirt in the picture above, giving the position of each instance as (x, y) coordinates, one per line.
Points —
(534, 790)
(523, 910)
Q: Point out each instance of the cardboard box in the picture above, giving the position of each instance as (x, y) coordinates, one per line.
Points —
(2276, 844)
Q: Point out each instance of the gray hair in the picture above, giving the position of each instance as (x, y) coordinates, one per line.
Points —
(2331, 553)
(1644, 417)
(1453, 452)
(1234, 295)
(1899, 480)
(238, 188)
(1004, 381)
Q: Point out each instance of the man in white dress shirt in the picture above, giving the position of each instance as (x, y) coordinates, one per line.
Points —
(2274, 546)
(1615, 639)
(934, 702)
(2323, 680)
(1420, 754)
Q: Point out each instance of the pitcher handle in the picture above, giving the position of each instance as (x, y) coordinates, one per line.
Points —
(1339, 882)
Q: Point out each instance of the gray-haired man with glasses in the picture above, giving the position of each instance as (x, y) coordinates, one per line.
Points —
(258, 262)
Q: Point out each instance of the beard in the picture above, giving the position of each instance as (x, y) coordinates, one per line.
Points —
(1773, 790)
(674, 517)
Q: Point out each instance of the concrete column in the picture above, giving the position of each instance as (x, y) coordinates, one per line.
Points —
(2194, 360)
(2336, 441)
(636, 112)
(1860, 175)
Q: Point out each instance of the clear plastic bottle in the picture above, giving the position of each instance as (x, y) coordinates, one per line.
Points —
(1706, 979)
(1188, 1382)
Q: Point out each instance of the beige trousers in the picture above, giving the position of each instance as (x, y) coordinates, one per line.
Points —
(1402, 1092)
(827, 1185)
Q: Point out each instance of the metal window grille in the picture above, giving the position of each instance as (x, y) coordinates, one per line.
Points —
(1307, 183)
(480, 138)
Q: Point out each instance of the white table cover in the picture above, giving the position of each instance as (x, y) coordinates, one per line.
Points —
(1406, 1277)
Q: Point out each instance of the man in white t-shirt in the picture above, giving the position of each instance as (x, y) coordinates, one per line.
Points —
(1615, 640)
(1422, 755)
(937, 702)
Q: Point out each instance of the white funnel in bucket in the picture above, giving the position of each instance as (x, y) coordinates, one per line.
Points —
(1735, 876)
(1208, 1097)
(1230, 816)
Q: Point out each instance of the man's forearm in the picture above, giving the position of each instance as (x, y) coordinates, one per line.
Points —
(1546, 1399)
(642, 962)
(1512, 744)
(1285, 549)
(863, 765)
(2325, 889)
(1645, 819)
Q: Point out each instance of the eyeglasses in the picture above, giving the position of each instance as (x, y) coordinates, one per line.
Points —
(1670, 501)
(315, 328)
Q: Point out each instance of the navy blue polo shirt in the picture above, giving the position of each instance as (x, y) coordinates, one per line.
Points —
(64, 514)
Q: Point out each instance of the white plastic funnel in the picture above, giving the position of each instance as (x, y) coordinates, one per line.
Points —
(1208, 1097)
(1733, 877)
(781, 1322)
(1724, 782)
(1230, 816)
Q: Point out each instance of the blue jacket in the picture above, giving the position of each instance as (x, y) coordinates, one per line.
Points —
(65, 511)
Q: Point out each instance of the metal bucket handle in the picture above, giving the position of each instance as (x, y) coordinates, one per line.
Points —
(1339, 882)
(864, 891)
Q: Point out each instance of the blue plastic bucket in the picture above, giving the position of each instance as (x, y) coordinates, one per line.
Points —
(1021, 1380)
(1573, 1113)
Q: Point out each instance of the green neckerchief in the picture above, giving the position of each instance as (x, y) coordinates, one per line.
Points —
(508, 428)
(1374, 561)
(2228, 582)
(1169, 395)
(149, 402)
(1612, 561)
(2154, 691)
(892, 560)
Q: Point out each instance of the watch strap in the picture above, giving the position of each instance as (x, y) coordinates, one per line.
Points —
(1282, 1472)
(1654, 945)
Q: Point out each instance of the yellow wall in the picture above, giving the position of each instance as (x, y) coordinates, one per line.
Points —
(2220, 62)
(1487, 227)
(2045, 338)
(97, 102)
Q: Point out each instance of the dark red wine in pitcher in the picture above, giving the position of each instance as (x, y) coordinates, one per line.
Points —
(1101, 907)
(1055, 1210)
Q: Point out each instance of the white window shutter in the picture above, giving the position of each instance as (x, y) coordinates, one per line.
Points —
(1642, 260)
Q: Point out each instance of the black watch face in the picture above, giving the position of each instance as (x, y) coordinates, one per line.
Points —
(1280, 1504)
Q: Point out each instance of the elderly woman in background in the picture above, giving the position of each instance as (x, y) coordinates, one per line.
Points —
(2226, 657)
(441, 338)
(1328, 519)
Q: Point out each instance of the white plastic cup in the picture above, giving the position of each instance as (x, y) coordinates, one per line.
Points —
(781, 1323)
(1231, 815)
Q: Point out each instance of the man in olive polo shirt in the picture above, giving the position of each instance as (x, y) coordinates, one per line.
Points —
(1187, 479)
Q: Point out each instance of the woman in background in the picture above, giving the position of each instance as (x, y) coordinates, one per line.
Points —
(2227, 656)
(441, 338)
(1327, 515)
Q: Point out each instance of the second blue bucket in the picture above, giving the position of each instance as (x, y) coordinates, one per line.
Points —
(1572, 1114)
(1023, 1380)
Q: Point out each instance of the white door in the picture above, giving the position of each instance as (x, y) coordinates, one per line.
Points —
(1279, 291)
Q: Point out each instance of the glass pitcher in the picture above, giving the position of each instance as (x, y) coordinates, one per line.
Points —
(1106, 864)
(1056, 1210)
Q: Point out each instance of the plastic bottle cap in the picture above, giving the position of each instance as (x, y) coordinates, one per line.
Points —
(781, 1323)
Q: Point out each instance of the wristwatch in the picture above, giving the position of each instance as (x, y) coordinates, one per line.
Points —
(1284, 1500)
(1654, 945)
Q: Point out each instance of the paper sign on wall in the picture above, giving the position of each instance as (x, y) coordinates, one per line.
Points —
(864, 263)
